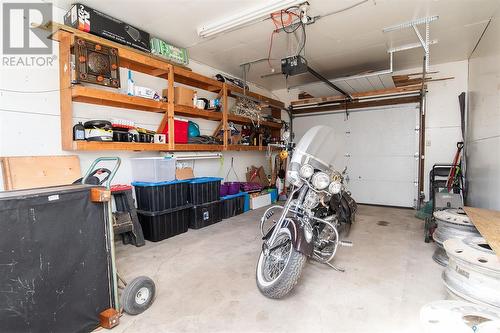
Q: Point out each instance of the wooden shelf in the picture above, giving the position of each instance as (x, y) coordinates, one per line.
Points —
(158, 67)
(187, 77)
(197, 147)
(135, 146)
(138, 146)
(244, 121)
(244, 148)
(109, 98)
(189, 111)
(234, 91)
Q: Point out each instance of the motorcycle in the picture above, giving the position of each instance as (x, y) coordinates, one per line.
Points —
(318, 212)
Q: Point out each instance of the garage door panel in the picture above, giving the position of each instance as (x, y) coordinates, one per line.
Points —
(382, 192)
(378, 146)
(384, 168)
(402, 144)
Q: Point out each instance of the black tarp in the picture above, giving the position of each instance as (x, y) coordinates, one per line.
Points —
(54, 263)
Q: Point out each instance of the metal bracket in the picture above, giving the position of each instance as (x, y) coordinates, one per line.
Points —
(424, 40)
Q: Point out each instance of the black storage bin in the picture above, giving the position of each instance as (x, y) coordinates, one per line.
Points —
(203, 190)
(161, 225)
(156, 197)
(232, 206)
(205, 214)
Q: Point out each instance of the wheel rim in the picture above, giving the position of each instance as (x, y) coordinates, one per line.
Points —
(274, 263)
(142, 296)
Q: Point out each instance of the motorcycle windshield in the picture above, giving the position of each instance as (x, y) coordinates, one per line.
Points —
(315, 148)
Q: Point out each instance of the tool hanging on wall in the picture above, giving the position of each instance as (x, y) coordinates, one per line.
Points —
(455, 177)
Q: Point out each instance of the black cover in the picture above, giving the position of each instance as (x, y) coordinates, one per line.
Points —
(54, 266)
(205, 214)
(161, 225)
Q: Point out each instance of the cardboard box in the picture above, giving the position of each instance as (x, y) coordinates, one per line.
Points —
(184, 173)
(84, 18)
(260, 201)
(182, 95)
(257, 175)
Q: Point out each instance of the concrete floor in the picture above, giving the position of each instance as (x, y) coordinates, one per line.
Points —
(205, 280)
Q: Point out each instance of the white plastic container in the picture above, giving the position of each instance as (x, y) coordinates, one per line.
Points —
(153, 169)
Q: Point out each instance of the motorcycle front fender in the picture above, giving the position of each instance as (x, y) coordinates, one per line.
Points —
(299, 240)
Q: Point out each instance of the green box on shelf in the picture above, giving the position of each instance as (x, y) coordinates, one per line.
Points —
(168, 51)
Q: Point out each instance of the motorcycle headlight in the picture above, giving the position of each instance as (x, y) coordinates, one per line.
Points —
(320, 180)
(293, 178)
(306, 171)
(335, 187)
(311, 200)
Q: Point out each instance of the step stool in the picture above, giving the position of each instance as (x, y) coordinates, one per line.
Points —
(125, 221)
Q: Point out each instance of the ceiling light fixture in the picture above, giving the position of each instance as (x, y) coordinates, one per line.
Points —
(244, 18)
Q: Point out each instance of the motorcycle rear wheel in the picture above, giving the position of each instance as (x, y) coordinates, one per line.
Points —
(279, 271)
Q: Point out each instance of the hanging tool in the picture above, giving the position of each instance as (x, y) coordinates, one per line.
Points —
(455, 169)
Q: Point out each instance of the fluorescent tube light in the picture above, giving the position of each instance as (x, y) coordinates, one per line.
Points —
(245, 17)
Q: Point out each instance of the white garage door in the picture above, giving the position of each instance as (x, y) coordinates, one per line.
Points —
(378, 146)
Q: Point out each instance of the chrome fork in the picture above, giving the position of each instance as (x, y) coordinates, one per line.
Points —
(269, 242)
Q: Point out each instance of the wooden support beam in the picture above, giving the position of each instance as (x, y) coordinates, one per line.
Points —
(373, 93)
(171, 109)
(65, 98)
(225, 134)
(305, 95)
(168, 118)
(358, 105)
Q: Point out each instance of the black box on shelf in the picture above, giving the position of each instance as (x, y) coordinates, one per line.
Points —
(161, 225)
(86, 19)
(203, 190)
(155, 197)
(206, 214)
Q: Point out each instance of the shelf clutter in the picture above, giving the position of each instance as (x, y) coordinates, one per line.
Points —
(253, 135)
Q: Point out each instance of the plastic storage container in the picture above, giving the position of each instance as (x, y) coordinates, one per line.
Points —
(205, 214)
(153, 169)
(203, 190)
(180, 130)
(161, 225)
(233, 205)
(161, 196)
(233, 187)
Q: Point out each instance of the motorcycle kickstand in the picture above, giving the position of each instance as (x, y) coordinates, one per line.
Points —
(338, 269)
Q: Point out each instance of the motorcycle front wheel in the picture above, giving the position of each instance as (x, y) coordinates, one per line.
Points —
(279, 270)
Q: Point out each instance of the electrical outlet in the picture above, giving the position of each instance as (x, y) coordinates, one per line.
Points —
(428, 143)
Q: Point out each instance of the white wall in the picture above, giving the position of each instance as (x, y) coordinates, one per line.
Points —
(30, 121)
(483, 133)
(443, 112)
